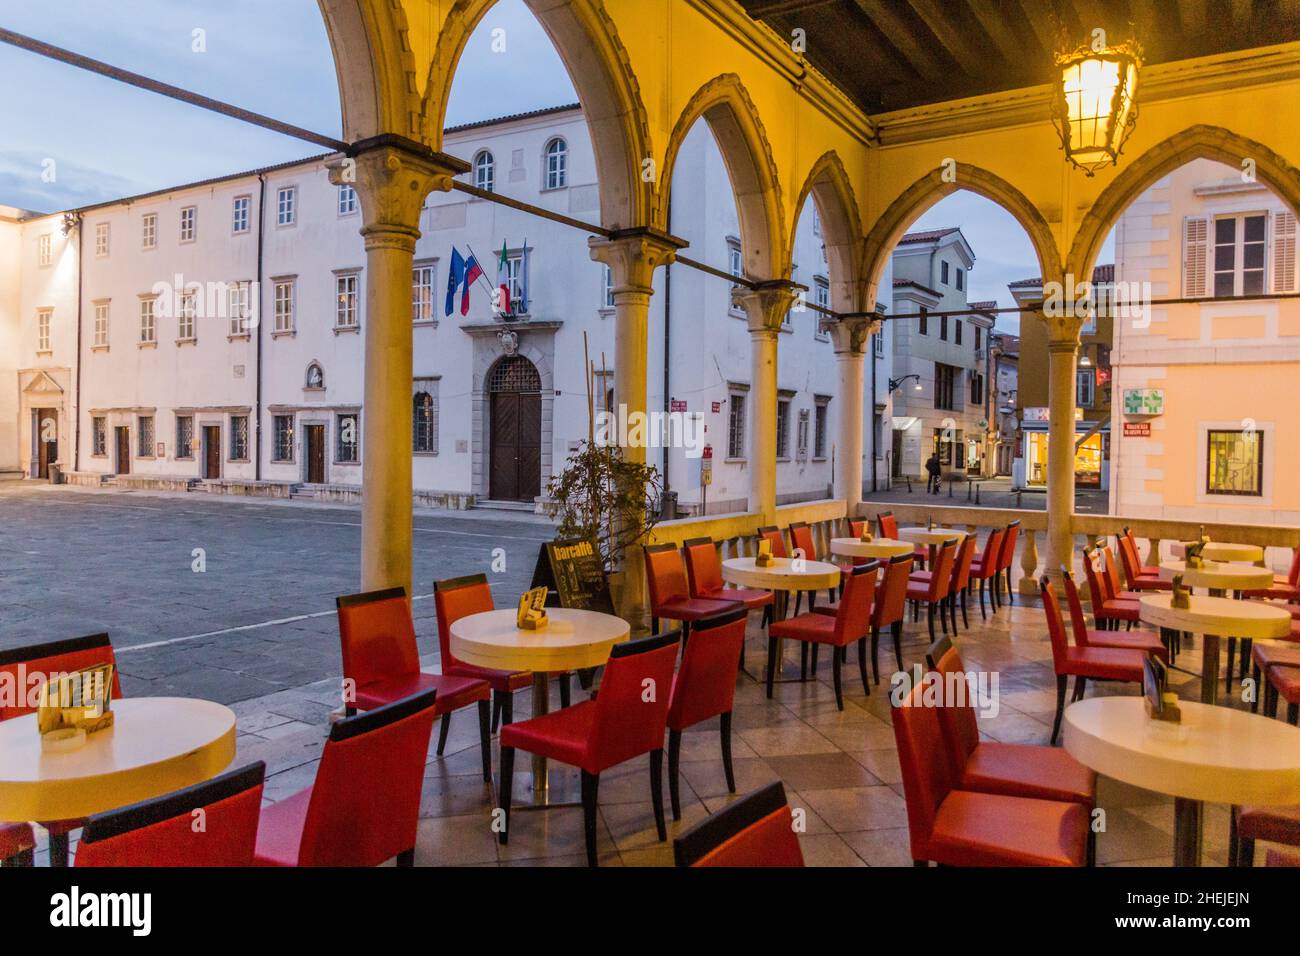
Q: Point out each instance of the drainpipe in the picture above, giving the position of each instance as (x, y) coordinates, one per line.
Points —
(76, 388)
(261, 231)
(668, 339)
(874, 450)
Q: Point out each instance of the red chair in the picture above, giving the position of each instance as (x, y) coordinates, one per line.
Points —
(364, 807)
(598, 734)
(17, 844)
(856, 527)
(801, 537)
(670, 595)
(955, 827)
(773, 534)
(1284, 588)
(754, 831)
(1106, 611)
(961, 571)
(1283, 682)
(455, 598)
(705, 687)
(1007, 557)
(381, 664)
(1138, 576)
(887, 524)
(933, 590)
(1278, 858)
(42, 660)
(1139, 640)
(850, 624)
(161, 831)
(1248, 824)
(1264, 657)
(1114, 589)
(890, 608)
(704, 578)
(985, 567)
(1096, 663)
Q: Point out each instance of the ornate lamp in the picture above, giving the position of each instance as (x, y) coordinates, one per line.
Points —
(1095, 107)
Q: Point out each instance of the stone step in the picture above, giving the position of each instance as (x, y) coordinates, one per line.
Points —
(490, 505)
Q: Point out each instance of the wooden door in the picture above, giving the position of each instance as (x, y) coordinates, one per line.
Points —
(316, 454)
(211, 451)
(516, 456)
(47, 440)
(123, 436)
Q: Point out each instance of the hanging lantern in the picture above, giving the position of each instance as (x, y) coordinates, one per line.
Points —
(1096, 106)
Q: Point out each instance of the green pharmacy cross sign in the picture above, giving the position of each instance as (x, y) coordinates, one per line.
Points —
(1144, 401)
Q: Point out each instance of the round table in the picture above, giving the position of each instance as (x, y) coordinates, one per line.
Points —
(573, 639)
(1216, 754)
(1223, 551)
(1213, 617)
(932, 537)
(781, 577)
(1220, 576)
(156, 745)
(883, 548)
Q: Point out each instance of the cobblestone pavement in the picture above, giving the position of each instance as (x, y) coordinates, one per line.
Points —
(993, 493)
(259, 618)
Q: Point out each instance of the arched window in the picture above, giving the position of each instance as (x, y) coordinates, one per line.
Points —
(425, 423)
(315, 376)
(514, 373)
(485, 171)
(557, 164)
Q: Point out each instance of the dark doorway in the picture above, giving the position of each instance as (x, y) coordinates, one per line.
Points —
(212, 451)
(316, 454)
(515, 430)
(122, 436)
(897, 465)
(47, 440)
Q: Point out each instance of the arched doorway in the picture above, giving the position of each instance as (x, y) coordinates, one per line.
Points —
(514, 390)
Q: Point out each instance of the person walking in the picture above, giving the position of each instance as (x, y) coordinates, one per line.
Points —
(933, 471)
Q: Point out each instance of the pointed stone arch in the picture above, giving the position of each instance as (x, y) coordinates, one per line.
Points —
(375, 68)
(727, 107)
(1195, 142)
(932, 187)
(589, 46)
(828, 184)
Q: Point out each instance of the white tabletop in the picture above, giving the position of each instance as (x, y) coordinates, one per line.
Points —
(156, 745)
(875, 548)
(931, 535)
(1225, 576)
(572, 639)
(1223, 551)
(1217, 753)
(1225, 617)
(781, 575)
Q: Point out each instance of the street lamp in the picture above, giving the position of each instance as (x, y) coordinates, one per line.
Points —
(1095, 107)
(896, 383)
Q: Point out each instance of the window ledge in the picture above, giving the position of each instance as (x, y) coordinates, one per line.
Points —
(146, 345)
(282, 461)
(554, 189)
(346, 330)
(45, 351)
(424, 324)
(187, 341)
(735, 461)
(284, 334)
(238, 337)
(425, 454)
(104, 455)
(605, 312)
(237, 461)
(314, 389)
(184, 458)
(99, 348)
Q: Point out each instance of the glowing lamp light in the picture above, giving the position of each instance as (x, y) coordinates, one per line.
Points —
(1096, 106)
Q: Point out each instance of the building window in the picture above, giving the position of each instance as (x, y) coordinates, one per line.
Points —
(943, 328)
(607, 288)
(284, 305)
(821, 299)
(783, 402)
(144, 436)
(347, 199)
(821, 412)
(1239, 255)
(516, 280)
(43, 250)
(239, 211)
(878, 344)
(943, 272)
(422, 285)
(961, 278)
(956, 331)
(977, 388)
(424, 416)
(237, 301)
(948, 443)
(239, 438)
(1236, 463)
(347, 448)
(101, 325)
(924, 327)
(148, 325)
(345, 306)
(101, 239)
(44, 319)
(149, 231)
(185, 316)
(736, 426)
(98, 437)
(945, 377)
(485, 171)
(1085, 388)
(978, 330)
(735, 263)
(286, 205)
(557, 164)
(184, 437)
(283, 448)
(816, 221)
(189, 223)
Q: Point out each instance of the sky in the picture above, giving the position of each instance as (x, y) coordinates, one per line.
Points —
(73, 138)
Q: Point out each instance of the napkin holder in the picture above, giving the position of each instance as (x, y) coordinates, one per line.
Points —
(1161, 703)
(764, 557)
(532, 610)
(73, 706)
(1180, 598)
(867, 537)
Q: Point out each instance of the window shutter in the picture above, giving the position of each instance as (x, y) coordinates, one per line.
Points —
(1284, 265)
(1195, 254)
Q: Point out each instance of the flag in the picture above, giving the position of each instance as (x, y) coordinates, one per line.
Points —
(522, 305)
(503, 279)
(473, 272)
(455, 276)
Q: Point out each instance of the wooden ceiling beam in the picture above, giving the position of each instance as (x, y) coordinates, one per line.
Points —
(902, 36)
(953, 37)
(995, 18)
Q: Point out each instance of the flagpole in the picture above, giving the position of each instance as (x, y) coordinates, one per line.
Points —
(482, 272)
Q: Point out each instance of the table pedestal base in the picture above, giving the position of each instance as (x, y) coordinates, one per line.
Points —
(1187, 832)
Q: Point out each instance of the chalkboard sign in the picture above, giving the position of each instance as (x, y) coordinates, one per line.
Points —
(573, 573)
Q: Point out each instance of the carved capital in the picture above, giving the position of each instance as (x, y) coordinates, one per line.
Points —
(633, 255)
(1063, 324)
(392, 177)
(850, 336)
(766, 304)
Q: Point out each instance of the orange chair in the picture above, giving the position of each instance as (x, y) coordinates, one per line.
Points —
(1108, 612)
(670, 594)
(1284, 588)
(773, 534)
(890, 609)
(1138, 640)
(801, 537)
(17, 844)
(887, 524)
(704, 579)
(933, 590)
(753, 831)
(1139, 577)
(1265, 657)
(1008, 556)
(961, 571)
(1248, 824)
(1282, 682)
(985, 568)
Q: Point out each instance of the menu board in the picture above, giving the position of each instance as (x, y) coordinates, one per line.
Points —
(573, 574)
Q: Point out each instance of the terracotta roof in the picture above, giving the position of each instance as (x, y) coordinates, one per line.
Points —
(983, 306)
(928, 235)
(902, 283)
(1104, 273)
(511, 117)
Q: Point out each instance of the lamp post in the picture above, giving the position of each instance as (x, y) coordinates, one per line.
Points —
(1095, 104)
(896, 383)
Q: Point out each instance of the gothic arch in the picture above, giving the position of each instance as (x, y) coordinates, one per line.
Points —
(828, 185)
(375, 67)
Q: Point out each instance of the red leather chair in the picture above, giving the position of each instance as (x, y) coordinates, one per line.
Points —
(801, 537)
(1283, 682)
(887, 525)
(1139, 640)
(1278, 858)
(1265, 657)
(955, 827)
(1096, 663)
(161, 831)
(961, 570)
(850, 624)
(598, 734)
(1138, 576)
(985, 568)
(382, 662)
(670, 594)
(754, 831)
(17, 844)
(1007, 557)
(705, 687)
(773, 534)
(455, 598)
(1248, 824)
(704, 578)
(890, 608)
(1114, 589)
(1106, 611)
(1284, 588)
(933, 590)
(364, 807)
(54, 657)
(856, 527)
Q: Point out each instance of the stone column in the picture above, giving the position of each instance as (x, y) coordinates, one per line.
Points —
(765, 306)
(392, 176)
(851, 339)
(1062, 354)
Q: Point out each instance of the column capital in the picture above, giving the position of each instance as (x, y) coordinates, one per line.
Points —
(393, 176)
(849, 336)
(1061, 318)
(767, 304)
(633, 255)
